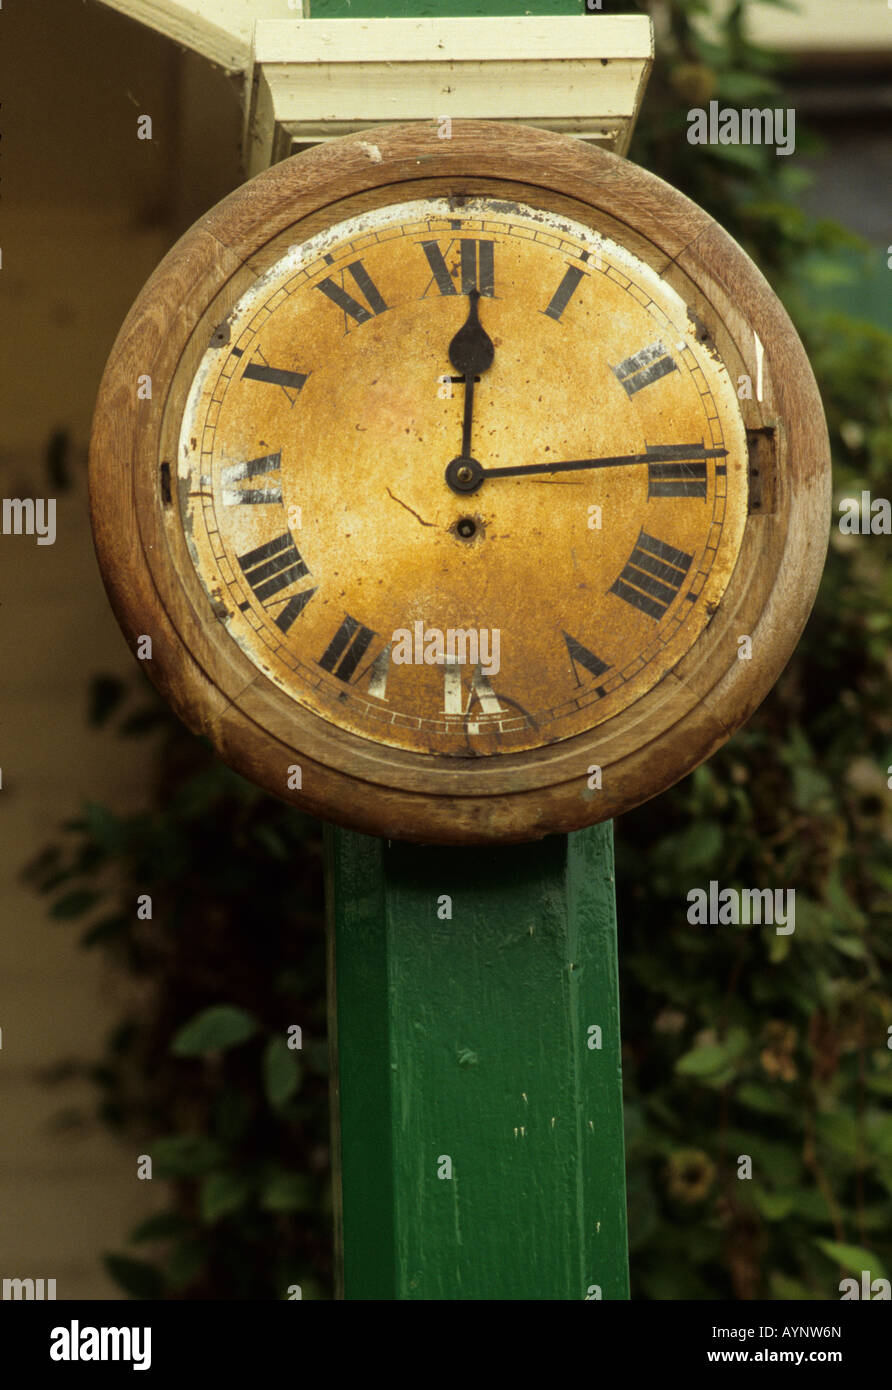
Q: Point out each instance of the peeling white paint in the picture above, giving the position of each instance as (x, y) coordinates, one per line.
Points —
(372, 151)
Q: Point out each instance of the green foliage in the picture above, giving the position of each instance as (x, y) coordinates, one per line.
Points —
(738, 1041)
(853, 1259)
(201, 1074)
(213, 1030)
(138, 1278)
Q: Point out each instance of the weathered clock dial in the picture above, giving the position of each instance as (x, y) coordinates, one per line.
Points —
(463, 473)
(579, 559)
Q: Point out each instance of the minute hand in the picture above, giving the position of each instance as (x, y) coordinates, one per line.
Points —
(658, 453)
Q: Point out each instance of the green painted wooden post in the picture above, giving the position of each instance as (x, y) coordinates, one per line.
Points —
(479, 1100)
(477, 1093)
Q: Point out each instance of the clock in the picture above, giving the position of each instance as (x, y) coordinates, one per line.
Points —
(469, 490)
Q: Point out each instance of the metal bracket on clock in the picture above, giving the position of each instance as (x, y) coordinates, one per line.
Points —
(315, 79)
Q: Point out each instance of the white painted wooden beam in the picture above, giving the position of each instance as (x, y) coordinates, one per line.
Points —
(316, 79)
(221, 30)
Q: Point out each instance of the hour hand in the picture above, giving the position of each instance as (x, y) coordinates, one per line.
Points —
(470, 352)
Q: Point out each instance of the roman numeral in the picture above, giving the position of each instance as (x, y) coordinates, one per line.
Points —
(453, 694)
(644, 367)
(581, 656)
(291, 382)
(378, 674)
(676, 480)
(272, 567)
(294, 607)
(564, 292)
(685, 478)
(346, 650)
(274, 376)
(476, 266)
(351, 307)
(653, 575)
(249, 470)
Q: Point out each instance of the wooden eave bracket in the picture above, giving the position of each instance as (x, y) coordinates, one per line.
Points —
(220, 30)
(315, 79)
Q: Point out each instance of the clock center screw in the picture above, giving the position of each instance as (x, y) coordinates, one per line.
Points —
(464, 474)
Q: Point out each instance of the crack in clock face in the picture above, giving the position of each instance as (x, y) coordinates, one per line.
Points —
(468, 420)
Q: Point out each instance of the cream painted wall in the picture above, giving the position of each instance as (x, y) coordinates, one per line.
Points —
(88, 211)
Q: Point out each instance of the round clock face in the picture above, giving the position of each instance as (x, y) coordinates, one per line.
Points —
(460, 476)
(447, 475)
